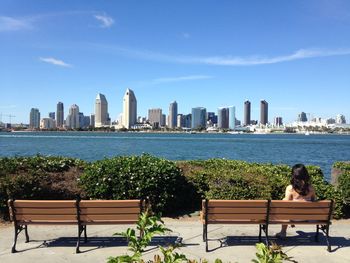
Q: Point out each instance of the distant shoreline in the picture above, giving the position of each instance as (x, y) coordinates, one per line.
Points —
(179, 132)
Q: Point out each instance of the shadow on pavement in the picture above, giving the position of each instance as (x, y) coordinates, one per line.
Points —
(100, 242)
(301, 239)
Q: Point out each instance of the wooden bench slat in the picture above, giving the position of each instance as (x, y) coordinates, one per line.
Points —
(46, 211)
(303, 204)
(237, 203)
(250, 222)
(235, 216)
(49, 222)
(297, 217)
(238, 210)
(305, 211)
(110, 222)
(121, 217)
(44, 204)
(109, 210)
(27, 217)
(109, 203)
(287, 222)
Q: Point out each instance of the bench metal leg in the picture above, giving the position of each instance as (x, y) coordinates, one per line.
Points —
(325, 230)
(18, 229)
(327, 238)
(85, 235)
(260, 228)
(26, 233)
(80, 230)
(266, 230)
(205, 236)
(317, 233)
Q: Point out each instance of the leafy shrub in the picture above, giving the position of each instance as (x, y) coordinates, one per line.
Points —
(230, 179)
(38, 177)
(272, 254)
(343, 185)
(138, 177)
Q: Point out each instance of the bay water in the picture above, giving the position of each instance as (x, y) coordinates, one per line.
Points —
(321, 150)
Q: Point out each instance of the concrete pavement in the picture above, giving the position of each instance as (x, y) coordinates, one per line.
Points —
(231, 243)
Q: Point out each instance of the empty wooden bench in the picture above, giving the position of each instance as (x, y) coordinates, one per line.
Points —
(266, 212)
(253, 212)
(72, 212)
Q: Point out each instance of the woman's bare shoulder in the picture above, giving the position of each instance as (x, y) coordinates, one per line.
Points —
(289, 188)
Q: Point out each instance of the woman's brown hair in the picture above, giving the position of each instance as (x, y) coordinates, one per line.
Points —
(300, 179)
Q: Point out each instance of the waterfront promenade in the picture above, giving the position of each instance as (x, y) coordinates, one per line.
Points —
(234, 243)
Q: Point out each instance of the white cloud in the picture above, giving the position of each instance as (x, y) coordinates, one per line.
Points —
(13, 24)
(106, 21)
(223, 60)
(260, 60)
(55, 61)
(181, 78)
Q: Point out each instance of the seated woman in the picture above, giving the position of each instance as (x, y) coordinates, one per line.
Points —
(300, 189)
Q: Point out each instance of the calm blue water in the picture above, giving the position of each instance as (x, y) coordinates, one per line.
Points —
(321, 150)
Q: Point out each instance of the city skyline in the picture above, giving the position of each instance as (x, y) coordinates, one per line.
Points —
(294, 55)
(154, 115)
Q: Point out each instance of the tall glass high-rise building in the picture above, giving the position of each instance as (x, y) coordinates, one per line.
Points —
(172, 115)
(129, 109)
(101, 110)
(232, 117)
(72, 121)
(211, 117)
(34, 118)
(52, 115)
(199, 115)
(246, 113)
(59, 115)
(302, 117)
(264, 111)
(223, 118)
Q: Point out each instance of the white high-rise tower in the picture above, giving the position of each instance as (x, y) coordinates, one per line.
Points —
(101, 111)
(129, 109)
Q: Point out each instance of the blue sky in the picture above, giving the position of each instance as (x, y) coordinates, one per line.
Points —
(293, 54)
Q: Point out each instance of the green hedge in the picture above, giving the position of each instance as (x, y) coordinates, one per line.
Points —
(139, 177)
(230, 179)
(343, 184)
(172, 187)
(38, 177)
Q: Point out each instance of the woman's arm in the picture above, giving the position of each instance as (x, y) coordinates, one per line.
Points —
(288, 193)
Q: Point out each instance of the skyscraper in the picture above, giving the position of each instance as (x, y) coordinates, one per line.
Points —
(52, 115)
(223, 117)
(340, 119)
(101, 110)
(155, 117)
(129, 109)
(264, 119)
(232, 117)
(73, 117)
(212, 118)
(172, 115)
(59, 114)
(302, 117)
(278, 121)
(34, 118)
(199, 115)
(246, 113)
(92, 120)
